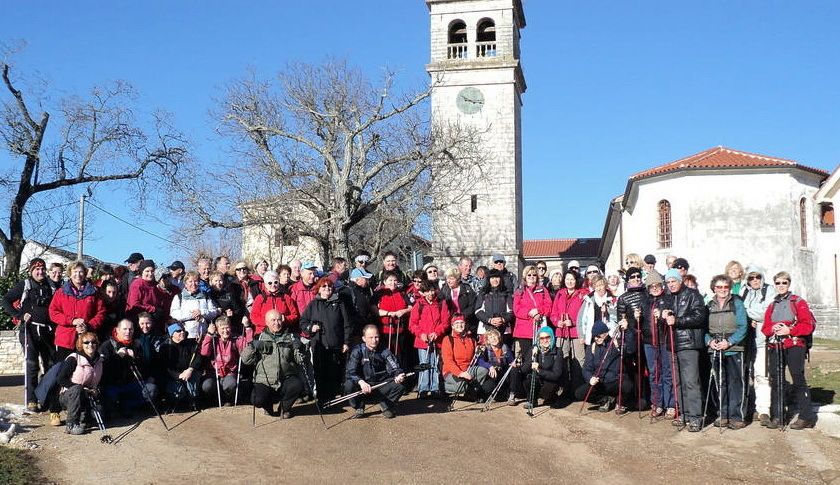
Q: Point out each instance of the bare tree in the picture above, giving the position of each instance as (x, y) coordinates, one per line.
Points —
(323, 149)
(98, 139)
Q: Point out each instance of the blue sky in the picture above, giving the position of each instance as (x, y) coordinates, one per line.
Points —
(613, 87)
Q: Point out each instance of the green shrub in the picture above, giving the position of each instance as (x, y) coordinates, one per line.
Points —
(6, 283)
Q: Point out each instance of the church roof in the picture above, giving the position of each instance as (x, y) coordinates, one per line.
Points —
(720, 157)
(560, 248)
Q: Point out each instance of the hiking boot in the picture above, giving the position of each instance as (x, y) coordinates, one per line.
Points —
(656, 412)
(765, 419)
(736, 425)
(359, 413)
(606, 404)
(32, 407)
(774, 424)
(678, 422)
(286, 415)
(75, 429)
(528, 405)
(55, 419)
(695, 426)
(671, 413)
(801, 424)
(721, 423)
(511, 400)
(388, 414)
(620, 410)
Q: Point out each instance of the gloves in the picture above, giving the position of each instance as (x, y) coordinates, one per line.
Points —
(263, 347)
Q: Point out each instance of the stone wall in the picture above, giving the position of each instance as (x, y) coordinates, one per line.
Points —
(11, 354)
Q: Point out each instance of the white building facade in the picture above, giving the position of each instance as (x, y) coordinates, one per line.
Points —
(477, 81)
(721, 205)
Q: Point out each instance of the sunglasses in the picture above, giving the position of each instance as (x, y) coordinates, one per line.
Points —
(781, 283)
(541, 268)
(680, 267)
(545, 338)
(89, 342)
(241, 269)
(591, 272)
(750, 278)
(721, 287)
(633, 277)
(272, 283)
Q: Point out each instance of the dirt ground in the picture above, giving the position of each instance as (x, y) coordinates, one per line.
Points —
(427, 444)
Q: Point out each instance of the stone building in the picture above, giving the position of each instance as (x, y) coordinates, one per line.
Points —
(477, 81)
(723, 204)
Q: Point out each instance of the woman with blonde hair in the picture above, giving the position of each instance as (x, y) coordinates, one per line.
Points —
(735, 271)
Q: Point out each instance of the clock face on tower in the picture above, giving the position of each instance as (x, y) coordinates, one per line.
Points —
(470, 100)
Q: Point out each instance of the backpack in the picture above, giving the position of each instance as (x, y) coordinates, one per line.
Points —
(809, 339)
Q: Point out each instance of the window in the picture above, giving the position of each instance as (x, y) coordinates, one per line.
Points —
(485, 36)
(803, 223)
(473, 203)
(827, 215)
(664, 227)
(457, 40)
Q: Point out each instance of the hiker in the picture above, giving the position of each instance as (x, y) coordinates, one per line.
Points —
(601, 371)
(222, 350)
(370, 364)
(78, 378)
(545, 371)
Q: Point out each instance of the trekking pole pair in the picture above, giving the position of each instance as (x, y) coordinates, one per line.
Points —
(597, 374)
(94, 409)
(462, 387)
(717, 359)
(139, 378)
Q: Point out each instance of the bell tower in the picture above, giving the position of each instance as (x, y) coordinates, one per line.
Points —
(477, 82)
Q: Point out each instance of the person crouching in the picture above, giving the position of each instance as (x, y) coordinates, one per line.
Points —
(369, 365)
(79, 379)
(601, 372)
(277, 355)
(222, 351)
(546, 370)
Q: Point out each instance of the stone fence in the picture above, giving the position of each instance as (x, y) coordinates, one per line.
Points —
(11, 354)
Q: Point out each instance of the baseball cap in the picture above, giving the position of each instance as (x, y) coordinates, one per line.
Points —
(574, 264)
(499, 257)
(681, 263)
(310, 265)
(360, 273)
(134, 258)
(176, 265)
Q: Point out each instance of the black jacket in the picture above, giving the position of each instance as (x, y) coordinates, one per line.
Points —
(180, 356)
(606, 357)
(692, 319)
(332, 317)
(654, 331)
(116, 370)
(551, 365)
(229, 299)
(627, 302)
(358, 304)
(36, 302)
(495, 304)
(372, 366)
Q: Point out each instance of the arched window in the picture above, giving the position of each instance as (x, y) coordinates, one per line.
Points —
(457, 40)
(664, 227)
(803, 223)
(485, 36)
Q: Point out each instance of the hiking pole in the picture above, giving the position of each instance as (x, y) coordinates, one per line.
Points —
(620, 372)
(462, 387)
(533, 384)
(720, 390)
(497, 389)
(216, 370)
(94, 409)
(637, 312)
(145, 392)
(674, 375)
(310, 376)
(597, 374)
(780, 373)
(238, 374)
(25, 363)
(429, 350)
(709, 386)
(338, 400)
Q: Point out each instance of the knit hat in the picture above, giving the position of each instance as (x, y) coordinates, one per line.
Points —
(494, 273)
(631, 271)
(680, 263)
(146, 263)
(134, 258)
(653, 278)
(592, 267)
(550, 331)
(174, 328)
(599, 328)
(36, 263)
(650, 259)
(673, 274)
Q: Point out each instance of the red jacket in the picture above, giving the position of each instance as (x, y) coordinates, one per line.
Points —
(302, 295)
(144, 296)
(525, 299)
(566, 304)
(390, 301)
(225, 358)
(457, 354)
(427, 318)
(802, 326)
(68, 304)
(281, 302)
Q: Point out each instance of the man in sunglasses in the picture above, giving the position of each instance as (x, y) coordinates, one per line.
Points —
(510, 279)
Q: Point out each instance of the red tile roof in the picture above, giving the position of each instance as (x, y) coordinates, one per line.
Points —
(722, 157)
(563, 248)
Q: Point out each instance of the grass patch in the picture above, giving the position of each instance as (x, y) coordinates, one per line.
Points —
(18, 467)
(827, 343)
(825, 386)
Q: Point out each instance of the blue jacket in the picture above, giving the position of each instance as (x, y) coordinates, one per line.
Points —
(611, 357)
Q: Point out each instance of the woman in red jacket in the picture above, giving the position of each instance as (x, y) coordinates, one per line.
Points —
(531, 306)
(274, 298)
(76, 308)
(391, 304)
(564, 316)
(457, 351)
(787, 323)
(145, 295)
(428, 322)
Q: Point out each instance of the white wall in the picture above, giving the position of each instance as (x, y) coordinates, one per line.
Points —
(716, 217)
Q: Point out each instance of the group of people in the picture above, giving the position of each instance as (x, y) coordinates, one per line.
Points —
(226, 334)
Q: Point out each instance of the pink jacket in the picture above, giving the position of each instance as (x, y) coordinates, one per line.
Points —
(226, 355)
(566, 304)
(524, 300)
